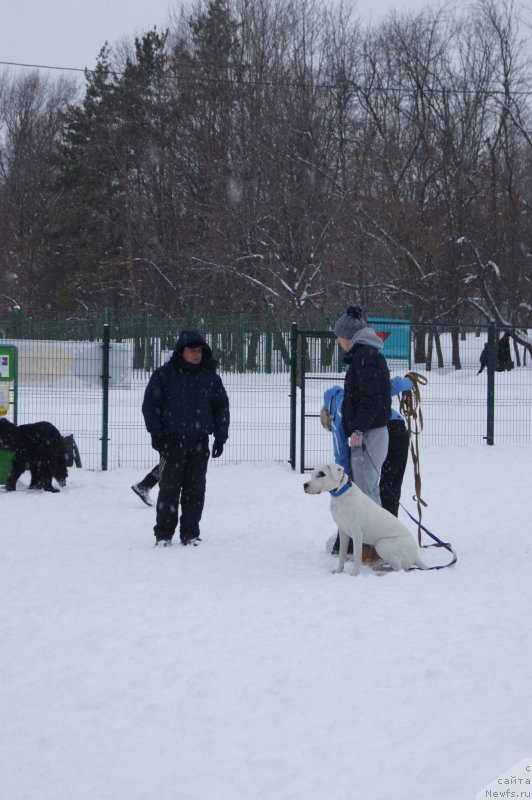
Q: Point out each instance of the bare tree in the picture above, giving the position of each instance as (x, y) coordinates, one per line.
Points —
(30, 126)
(277, 155)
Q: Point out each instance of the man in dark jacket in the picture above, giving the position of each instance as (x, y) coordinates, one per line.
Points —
(484, 358)
(185, 401)
(504, 357)
(367, 400)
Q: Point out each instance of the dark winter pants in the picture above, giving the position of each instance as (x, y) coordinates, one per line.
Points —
(394, 466)
(150, 480)
(183, 470)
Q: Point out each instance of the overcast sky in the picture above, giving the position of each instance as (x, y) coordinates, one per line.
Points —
(70, 33)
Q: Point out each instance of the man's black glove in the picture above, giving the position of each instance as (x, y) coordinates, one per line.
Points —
(157, 442)
(217, 449)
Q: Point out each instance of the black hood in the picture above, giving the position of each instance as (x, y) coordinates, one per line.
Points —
(192, 339)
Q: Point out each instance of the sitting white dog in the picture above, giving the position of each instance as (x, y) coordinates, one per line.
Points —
(359, 518)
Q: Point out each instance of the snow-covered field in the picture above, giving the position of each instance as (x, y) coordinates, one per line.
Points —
(243, 668)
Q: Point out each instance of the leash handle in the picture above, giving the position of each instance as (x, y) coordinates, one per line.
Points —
(410, 408)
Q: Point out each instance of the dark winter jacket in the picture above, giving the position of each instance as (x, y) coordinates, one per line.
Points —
(484, 358)
(187, 401)
(367, 399)
(504, 357)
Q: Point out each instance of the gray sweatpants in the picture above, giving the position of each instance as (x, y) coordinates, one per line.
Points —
(367, 461)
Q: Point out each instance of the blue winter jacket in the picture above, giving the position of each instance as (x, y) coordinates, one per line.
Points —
(332, 400)
(187, 401)
(399, 385)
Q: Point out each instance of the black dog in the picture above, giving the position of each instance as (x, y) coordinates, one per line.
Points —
(38, 447)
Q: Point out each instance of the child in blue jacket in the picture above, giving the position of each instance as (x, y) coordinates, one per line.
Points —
(394, 466)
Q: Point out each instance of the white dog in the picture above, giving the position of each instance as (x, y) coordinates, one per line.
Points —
(359, 518)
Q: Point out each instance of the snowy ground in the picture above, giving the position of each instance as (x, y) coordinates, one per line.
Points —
(243, 668)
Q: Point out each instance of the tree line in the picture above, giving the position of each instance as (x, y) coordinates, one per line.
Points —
(277, 155)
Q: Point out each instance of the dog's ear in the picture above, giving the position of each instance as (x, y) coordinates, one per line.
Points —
(328, 469)
(336, 471)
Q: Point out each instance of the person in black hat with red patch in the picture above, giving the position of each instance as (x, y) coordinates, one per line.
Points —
(184, 403)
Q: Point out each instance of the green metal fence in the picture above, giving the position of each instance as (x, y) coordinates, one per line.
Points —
(89, 378)
(89, 381)
(459, 406)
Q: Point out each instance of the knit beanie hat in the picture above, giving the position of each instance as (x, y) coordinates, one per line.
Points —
(351, 322)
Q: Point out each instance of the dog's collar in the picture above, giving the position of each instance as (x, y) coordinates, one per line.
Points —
(338, 492)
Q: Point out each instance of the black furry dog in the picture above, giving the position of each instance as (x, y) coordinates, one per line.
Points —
(38, 447)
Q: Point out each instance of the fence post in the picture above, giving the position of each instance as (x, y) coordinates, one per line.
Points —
(105, 393)
(16, 321)
(293, 393)
(492, 346)
(302, 403)
(268, 345)
(240, 347)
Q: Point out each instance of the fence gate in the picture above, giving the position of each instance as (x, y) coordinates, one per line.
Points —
(318, 365)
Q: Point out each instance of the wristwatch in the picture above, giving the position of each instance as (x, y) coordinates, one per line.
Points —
(358, 433)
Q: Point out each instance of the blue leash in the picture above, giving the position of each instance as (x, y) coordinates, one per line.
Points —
(439, 542)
